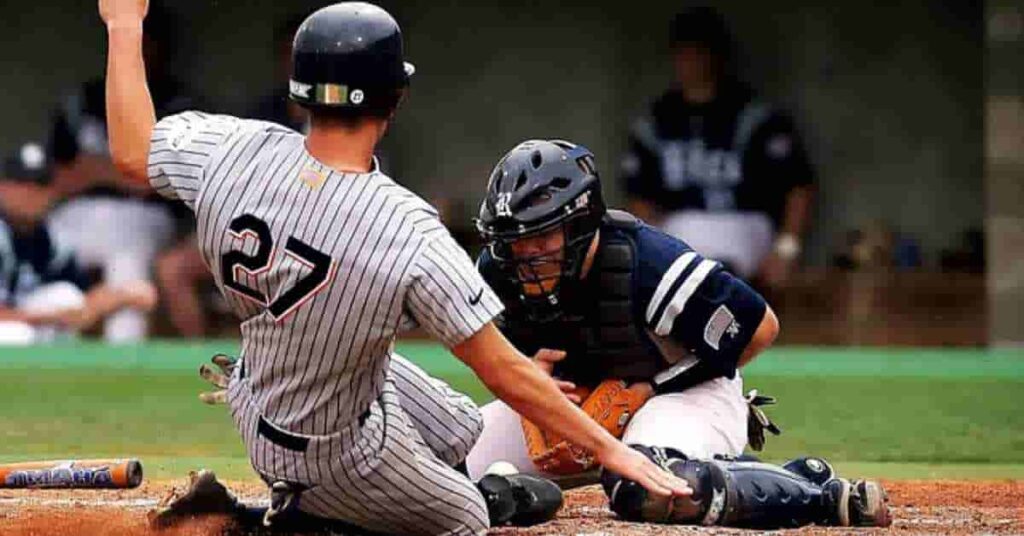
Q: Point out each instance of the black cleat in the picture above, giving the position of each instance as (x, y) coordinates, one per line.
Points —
(204, 495)
(284, 499)
(860, 503)
(520, 500)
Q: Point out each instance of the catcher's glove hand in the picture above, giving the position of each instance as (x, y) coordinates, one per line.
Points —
(612, 404)
(219, 378)
(757, 421)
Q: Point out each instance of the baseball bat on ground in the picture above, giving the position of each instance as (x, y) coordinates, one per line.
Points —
(80, 474)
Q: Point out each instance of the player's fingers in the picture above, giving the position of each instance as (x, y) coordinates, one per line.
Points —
(674, 485)
(565, 387)
(651, 484)
(211, 375)
(547, 355)
(214, 398)
(225, 362)
(545, 359)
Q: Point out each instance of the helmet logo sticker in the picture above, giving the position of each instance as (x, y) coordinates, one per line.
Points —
(503, 206)
(299, 89)
(583, 200)
(357, 96)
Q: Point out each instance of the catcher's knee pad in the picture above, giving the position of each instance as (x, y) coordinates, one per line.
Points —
(817, 470)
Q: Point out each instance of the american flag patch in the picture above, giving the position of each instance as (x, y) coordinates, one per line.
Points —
(331, 94)
(720, 323)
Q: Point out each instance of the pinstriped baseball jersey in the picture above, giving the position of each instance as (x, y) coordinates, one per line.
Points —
(324, 269)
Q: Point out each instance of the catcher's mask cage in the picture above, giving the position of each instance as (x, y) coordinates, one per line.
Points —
(538, 187)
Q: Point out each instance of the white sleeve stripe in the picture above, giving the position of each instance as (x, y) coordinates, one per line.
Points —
(682, 296)
(685, 363)
(667, 281)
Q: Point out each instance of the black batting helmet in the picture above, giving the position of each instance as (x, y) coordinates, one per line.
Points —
(348, 55)
(537, 186)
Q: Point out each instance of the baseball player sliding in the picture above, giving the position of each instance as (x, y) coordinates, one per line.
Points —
(325, 259)
(655, 335)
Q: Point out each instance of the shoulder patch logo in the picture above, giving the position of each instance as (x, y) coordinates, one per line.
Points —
(180, 136)
(721, 323)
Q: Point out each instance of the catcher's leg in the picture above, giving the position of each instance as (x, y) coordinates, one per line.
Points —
(749, 495)
(447, 420)
(501, 441)
(702, 422)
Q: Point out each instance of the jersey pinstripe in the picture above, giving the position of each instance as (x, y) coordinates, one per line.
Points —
(324, 269)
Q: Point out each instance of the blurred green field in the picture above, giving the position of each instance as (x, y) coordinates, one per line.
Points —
(890, 413)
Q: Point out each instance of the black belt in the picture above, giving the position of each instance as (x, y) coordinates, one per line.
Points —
(289, 441)
(280, 437)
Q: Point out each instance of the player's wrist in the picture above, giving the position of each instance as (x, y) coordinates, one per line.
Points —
(124, 26)
(606, 446)
(788, 246)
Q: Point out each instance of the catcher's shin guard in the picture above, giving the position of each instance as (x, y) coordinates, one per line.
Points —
(726, 493)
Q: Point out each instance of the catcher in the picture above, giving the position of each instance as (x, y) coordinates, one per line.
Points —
(654, 336)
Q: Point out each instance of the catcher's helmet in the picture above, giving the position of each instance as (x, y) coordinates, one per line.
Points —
(348, 55)
(538, 186)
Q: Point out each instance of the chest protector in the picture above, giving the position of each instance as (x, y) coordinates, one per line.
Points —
(602, 334)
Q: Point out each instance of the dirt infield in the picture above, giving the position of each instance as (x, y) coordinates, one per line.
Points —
(919, 507)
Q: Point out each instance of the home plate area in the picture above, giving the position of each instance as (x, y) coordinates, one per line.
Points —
(919, 507)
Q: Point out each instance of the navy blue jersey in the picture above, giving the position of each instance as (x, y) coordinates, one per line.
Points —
(735, 153)
(679, 309)
(28, 260)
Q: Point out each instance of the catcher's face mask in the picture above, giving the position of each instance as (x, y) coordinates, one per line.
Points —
(539, 260)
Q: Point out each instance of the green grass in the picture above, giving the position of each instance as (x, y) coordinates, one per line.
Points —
(892, 413)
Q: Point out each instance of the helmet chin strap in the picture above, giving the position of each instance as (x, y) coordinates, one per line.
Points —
(588, 261)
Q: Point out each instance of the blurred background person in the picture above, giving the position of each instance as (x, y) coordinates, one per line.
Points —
(713, 164)
(110, 229)
(43, 294)
(184, 280)
(275, 106)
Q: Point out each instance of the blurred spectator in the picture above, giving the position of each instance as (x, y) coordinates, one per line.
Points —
(276, 106)
(115, 231)
(715, 165)
(181, 271)
(181, 275)
(870, 248)
(968, 256)
(42, 292)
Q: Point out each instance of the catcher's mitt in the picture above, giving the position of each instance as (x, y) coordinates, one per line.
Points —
(612, 404)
